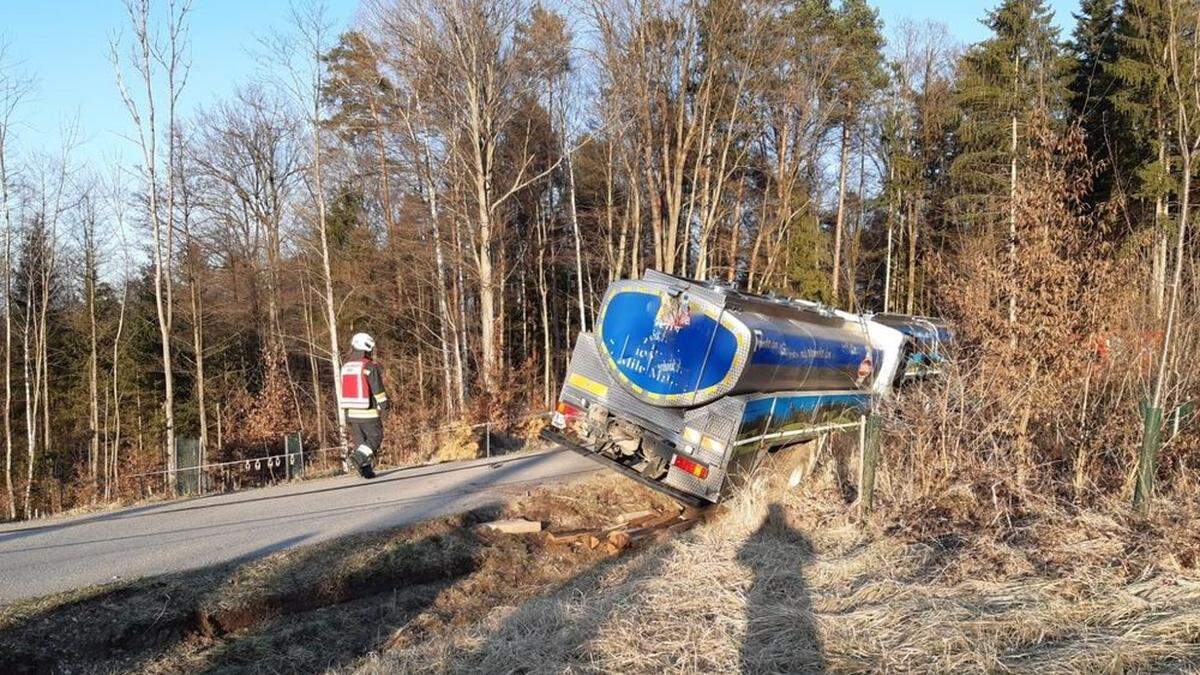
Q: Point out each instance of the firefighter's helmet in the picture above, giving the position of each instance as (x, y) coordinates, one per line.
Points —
(362, 342)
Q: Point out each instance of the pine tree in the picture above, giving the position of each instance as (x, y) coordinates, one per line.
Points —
(1020, 70)
(1142, 166)
(1093, 88)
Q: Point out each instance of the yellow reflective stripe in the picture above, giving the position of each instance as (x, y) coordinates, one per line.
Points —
(587, 384)
(381, 397)
(369, 413)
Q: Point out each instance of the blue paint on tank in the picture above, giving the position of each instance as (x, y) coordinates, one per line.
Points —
(668, 350)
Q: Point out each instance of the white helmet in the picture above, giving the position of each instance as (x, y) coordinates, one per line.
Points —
(362, 342)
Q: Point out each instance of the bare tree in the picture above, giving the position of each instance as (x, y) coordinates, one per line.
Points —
(14, 87)
(149, 59)
(300, 55)
(89, 247)
(1183, 46)
(119, 200)
(461, 53)
(40, 252)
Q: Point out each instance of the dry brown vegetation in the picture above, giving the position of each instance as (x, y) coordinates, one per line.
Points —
(788, 581)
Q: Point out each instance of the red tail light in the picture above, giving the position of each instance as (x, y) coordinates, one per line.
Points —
(695, 468)
(567, 409)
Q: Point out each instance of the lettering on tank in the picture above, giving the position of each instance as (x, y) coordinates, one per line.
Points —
(786, 352)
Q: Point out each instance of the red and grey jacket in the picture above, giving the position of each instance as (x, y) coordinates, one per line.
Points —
(376, 399)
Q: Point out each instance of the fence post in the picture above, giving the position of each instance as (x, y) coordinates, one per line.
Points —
(487, 434)
(869, 439)
(293, 450)
(187, 466)
(1143, 489)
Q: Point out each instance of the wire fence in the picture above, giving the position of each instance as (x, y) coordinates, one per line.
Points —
(297, 461)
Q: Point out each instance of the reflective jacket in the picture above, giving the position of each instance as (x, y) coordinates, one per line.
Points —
(379, 399)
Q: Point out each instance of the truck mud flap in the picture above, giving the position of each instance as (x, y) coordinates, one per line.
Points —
(678, 495)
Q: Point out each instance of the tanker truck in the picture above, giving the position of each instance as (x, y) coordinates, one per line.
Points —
(684, 385)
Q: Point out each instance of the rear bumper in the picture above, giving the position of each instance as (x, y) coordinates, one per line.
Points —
(678, 495)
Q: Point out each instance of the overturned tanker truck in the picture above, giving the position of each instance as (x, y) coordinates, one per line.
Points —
(684, 385)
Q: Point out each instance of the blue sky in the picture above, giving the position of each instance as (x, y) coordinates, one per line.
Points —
(64, 45)
(963, 16)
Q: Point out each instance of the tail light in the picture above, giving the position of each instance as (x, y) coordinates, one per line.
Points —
(691, 466)
(562, 413)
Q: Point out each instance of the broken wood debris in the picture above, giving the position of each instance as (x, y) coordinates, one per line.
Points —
(631, 528)
(631, 516)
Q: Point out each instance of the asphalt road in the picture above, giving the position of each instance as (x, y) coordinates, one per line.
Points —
(65, 553)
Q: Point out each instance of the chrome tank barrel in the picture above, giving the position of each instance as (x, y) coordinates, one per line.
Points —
(679, 343)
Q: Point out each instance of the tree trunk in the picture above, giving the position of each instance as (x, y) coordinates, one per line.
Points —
(911, 284)
(887, 259)
(197, 309)
(578, 240)
(93, 352)
(335, 359)
(116, 395)
(1012, 225)
(30, 400)
(841, 210)
(7, 411)
(1159, 262)
(314, 371)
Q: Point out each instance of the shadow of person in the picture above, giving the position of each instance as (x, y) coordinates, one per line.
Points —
(781, 636)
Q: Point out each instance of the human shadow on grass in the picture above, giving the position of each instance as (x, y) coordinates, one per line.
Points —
(552, 633)
(781, 635)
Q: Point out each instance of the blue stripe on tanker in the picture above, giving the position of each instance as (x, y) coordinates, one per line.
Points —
(797, 411)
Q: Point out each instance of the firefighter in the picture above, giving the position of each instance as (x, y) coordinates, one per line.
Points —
(362, 396)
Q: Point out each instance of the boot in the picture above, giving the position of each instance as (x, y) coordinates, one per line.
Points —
(362, 458)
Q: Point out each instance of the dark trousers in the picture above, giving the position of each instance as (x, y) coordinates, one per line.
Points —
(368, 432)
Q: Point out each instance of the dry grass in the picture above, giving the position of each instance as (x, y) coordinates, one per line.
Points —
(786, 581)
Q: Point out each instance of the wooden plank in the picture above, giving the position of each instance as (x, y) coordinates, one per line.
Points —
(514, 526)
(635, 518)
